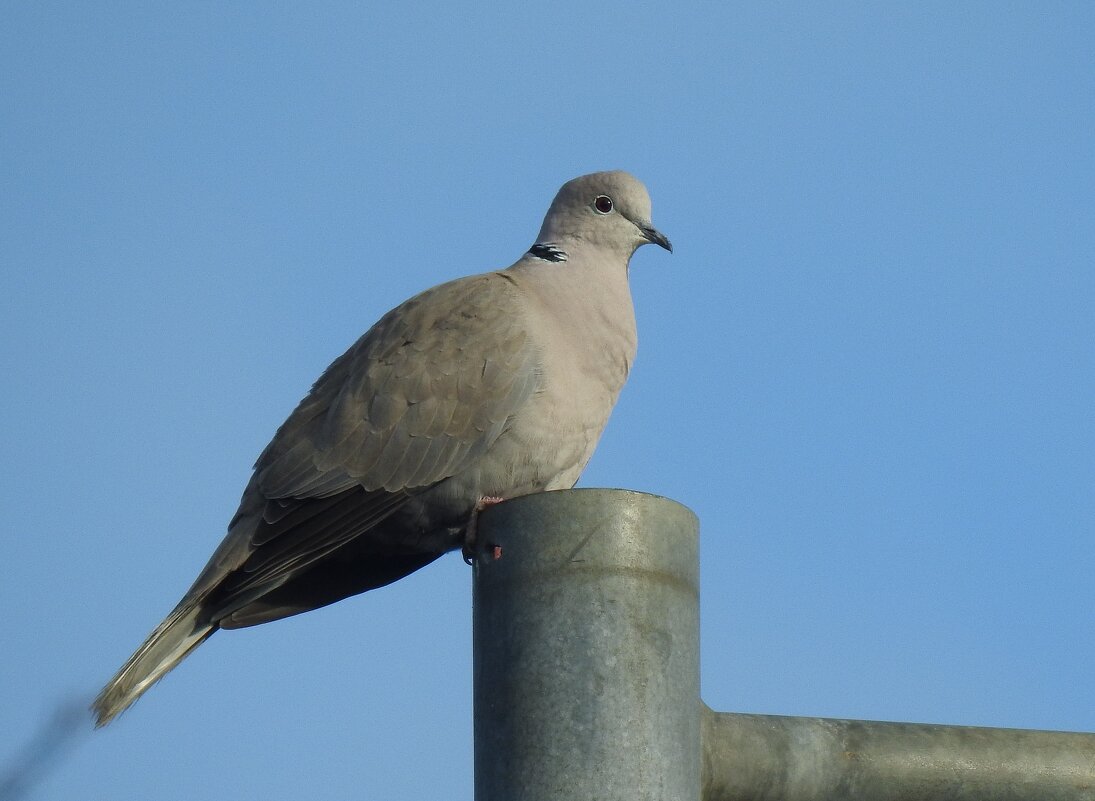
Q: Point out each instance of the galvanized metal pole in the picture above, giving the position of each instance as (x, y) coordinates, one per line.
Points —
(586, 677)
(586, 638)
(775, 758)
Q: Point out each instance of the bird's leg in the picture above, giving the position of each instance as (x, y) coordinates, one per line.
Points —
(471, 531)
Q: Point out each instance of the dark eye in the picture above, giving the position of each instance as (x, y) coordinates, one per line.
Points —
(603, 204)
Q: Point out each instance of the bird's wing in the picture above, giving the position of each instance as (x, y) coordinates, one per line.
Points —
(423, 394)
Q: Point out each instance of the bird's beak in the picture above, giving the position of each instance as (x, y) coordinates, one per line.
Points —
(652, 234)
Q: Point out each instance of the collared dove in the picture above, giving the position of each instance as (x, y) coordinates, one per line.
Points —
(480, 389)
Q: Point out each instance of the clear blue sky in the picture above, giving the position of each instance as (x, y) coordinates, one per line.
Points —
(869, 366)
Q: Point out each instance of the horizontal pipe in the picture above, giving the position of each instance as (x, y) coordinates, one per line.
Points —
(777, 758)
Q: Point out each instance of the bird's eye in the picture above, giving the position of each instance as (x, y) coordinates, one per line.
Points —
(603, 204)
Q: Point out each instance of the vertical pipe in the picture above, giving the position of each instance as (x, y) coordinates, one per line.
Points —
(586, 649)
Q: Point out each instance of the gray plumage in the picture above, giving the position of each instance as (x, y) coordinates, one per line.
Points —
(491, 386)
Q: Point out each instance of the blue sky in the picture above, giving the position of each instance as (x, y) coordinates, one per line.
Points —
(868, 367)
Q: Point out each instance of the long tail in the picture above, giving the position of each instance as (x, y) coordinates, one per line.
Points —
(179, 634)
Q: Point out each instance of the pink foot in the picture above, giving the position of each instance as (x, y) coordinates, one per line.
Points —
(471, 530)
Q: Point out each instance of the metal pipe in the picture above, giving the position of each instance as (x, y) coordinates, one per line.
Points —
(775, 758)
(586, 674)
(586, 643)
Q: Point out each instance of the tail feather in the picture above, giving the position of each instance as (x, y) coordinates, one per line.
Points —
(180, 633)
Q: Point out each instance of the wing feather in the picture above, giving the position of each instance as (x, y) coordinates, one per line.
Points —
(414, 401)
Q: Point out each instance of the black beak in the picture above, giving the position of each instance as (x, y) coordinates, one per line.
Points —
(655, 236)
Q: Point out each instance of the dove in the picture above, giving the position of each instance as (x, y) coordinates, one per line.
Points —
(481, 389)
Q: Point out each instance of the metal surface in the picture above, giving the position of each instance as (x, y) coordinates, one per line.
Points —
(773, 758)
(586, 637)
(587, 684)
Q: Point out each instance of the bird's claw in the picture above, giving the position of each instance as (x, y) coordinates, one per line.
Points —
(469, 549)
